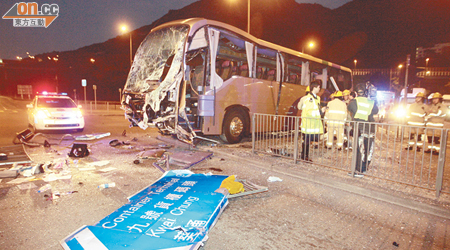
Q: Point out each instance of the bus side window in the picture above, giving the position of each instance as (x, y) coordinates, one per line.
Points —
(260, 73)
(271, 75)
(226, 67)
(244, 70)
(293, 78)
(234, 69)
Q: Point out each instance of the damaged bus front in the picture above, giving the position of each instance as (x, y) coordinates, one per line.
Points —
(201, 77)
(151, 93)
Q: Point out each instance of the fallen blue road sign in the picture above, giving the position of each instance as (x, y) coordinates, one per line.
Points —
(175, 212)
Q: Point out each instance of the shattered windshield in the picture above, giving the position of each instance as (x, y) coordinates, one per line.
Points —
(158, 60)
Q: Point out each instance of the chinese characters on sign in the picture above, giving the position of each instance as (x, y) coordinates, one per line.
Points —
(176, 211)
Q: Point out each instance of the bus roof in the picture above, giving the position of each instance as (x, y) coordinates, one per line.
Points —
(196, 23)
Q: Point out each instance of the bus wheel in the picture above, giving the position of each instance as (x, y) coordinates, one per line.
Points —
(233, 127)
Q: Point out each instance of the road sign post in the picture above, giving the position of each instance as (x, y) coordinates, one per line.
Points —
(75, 96)
(95, 96)
(84, 84)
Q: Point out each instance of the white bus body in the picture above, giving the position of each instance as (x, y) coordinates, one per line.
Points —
(171, 84)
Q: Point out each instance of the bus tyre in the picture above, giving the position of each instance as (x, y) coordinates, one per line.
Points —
(234, 126)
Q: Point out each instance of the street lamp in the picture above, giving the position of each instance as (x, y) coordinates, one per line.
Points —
(124, 29)
(310, 45)
(248, 15)
(355, 61)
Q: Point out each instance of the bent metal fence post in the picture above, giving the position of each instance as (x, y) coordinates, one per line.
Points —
(404, 154)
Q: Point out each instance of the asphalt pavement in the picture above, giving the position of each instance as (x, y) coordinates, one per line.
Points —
(311, 207)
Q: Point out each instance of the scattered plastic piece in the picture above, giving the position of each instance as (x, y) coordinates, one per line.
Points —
(91, 136)
(232, 185)
(87, 169)
(107, 185)
(395, 244)
(107, 169)
(274, 179)
(99, 163)
(44, 188)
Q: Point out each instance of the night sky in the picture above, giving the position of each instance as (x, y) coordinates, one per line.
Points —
(84, 22)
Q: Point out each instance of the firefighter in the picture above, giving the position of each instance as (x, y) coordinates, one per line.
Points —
(363, 109)
(348, 127)
(346, 95)
(416, 117)
(335, 116)
(311, 125)
(435, 118)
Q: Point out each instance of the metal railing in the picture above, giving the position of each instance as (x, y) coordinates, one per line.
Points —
(404, 154)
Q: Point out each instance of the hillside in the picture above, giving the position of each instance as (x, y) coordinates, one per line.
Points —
(378, 33)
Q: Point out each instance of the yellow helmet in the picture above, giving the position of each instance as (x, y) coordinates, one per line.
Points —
(307, 89)
(346, 92)
(338, 94)
(436, 95)
(420, 94)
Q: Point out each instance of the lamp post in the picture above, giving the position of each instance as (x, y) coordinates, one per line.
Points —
(408, 59)
(124, 29)
(248, 17)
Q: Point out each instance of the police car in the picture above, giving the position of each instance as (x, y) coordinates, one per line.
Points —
(52, 111)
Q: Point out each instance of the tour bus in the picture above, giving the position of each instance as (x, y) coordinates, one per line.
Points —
(199, 77)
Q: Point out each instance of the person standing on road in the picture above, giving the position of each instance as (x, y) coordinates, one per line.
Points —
(416, 117)
(434, 122)
(311, 125)
(346, 96)
(335, 117)
(363, 109)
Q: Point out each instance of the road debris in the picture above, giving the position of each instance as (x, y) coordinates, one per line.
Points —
(89, 137)
(79, 150)
(273, 179)
(177, 211)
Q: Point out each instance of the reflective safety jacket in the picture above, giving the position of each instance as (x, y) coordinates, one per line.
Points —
(364, 109)
(311, 119)
(436, 115)
(336, 112)
(416, 114)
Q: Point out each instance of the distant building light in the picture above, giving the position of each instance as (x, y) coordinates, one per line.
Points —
(92, 60)
(55, 59)
(1, 60)
(19, 58)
